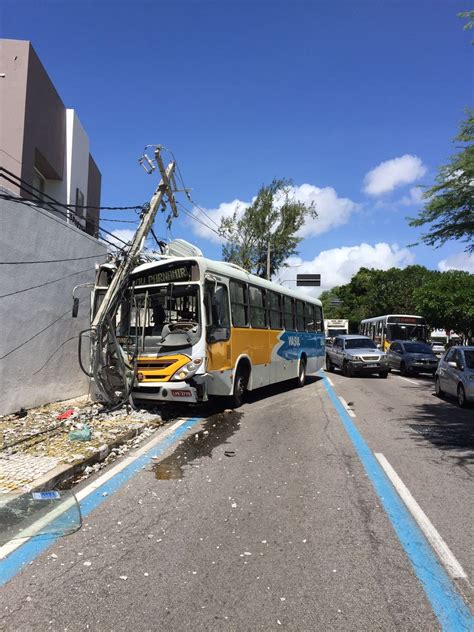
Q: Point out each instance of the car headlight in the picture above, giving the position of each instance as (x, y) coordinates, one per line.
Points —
(188, 370)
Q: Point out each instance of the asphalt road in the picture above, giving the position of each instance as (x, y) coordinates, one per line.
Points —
(266, 520)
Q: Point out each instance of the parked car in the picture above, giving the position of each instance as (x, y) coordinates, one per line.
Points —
(455, 374)
(411, 356)
(356, 354)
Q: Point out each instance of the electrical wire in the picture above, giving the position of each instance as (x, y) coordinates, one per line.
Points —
(18, 263)
(34, 287)
(34, 336)
(197, 219)
(30, 204)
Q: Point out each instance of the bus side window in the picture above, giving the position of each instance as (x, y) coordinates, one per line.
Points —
(299, 315)
(309, 317)
(239, 304)
(217, 305)
(273, 300)
(257, 308)
(288, 313)
(318, 318)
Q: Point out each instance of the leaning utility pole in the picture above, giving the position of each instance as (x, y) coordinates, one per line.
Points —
(110, 365)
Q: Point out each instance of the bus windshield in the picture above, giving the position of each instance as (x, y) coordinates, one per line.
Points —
(166, 316)
(406, 332)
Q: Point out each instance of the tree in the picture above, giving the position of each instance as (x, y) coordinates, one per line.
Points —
(446, 300)
(450, 202)
(269, 225)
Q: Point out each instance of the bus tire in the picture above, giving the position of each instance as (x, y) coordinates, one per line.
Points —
(329, 364)
(240, 386)
(301, 379)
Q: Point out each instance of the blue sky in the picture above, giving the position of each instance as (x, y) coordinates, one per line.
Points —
(243, 92)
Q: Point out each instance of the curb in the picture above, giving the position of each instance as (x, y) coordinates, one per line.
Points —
(62, 473)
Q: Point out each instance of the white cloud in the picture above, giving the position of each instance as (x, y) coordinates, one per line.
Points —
(392, 173)
(338, 265)
(332, 211)
(225, 209)
(414, 197)
(120, 235)
(459, 261)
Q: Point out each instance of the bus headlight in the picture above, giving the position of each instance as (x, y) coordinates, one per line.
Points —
(188, 370)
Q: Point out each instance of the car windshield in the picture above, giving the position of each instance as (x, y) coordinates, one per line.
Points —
(417, 347)
(469, 356)
(360, 343)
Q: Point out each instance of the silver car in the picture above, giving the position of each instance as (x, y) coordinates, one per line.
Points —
(455, 374)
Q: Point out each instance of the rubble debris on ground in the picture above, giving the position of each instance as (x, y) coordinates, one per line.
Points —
(50, 432)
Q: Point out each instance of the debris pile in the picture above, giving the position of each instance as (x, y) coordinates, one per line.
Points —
(79, 432)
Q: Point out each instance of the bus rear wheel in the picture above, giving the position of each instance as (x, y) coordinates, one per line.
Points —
(301, 379)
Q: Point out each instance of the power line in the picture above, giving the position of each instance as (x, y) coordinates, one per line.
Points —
(34, 287)
(30, 204)
(17, 263)
(34, 336)
(197, 219)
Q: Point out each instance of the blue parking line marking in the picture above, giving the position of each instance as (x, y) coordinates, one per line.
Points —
(449, 607)
(29, 551)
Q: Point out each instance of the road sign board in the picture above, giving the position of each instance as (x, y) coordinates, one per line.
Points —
(308, 279)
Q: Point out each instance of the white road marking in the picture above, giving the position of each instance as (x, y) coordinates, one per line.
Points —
(330, 381)
(407, 380)
(451, 564)
(350, 412)
(36, 527)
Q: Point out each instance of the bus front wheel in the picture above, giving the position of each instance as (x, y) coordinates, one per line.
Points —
(240, 386)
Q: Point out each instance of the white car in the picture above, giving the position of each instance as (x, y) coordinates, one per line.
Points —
(455, 374)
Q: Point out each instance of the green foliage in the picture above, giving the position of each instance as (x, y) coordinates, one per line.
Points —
(446, 300)
(450, 203)
(274, 218)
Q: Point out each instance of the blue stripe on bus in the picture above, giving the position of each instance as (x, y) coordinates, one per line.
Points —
(295, 342)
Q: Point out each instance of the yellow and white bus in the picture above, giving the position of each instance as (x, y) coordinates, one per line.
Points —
(202, 328)
(384, 329)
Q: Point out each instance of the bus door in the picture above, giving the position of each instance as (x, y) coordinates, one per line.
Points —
(218, 338)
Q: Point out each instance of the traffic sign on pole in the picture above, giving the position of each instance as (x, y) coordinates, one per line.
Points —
(308, 279)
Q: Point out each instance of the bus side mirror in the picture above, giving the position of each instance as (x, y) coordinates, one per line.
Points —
(75, 307)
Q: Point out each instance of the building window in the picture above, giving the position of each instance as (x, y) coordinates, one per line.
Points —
(39, 184)
(80, 210)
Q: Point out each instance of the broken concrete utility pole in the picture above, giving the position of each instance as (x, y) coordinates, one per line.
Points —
(110, 364)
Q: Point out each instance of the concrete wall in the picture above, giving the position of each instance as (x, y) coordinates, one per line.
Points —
(38, 342)
(14, 56)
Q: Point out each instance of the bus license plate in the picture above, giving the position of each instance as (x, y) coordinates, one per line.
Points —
(181, 393)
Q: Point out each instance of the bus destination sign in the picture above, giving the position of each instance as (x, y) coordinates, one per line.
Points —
(407, 320)
(168, 275)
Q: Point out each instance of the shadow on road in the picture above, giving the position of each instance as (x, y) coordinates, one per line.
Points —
(445, 425)
(217, 405)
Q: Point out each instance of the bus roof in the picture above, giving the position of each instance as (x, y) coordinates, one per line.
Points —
(368, 320)
(229, 270)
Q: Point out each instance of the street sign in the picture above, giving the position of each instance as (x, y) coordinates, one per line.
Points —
(308, 279)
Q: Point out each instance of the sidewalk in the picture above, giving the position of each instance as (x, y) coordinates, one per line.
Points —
(37, 451)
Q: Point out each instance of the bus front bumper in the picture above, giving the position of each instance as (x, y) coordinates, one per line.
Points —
(168, 392)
